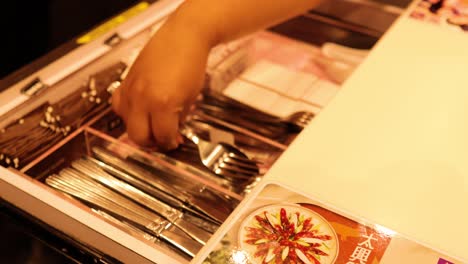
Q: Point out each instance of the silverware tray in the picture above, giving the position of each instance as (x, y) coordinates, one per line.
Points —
(25, 186)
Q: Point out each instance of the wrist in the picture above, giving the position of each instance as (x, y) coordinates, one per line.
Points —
(190, 22)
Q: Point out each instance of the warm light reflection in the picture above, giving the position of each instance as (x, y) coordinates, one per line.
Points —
(385, 231)
(238, 257)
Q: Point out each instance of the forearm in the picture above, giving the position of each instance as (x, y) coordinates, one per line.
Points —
(169, 72)
(218, 21)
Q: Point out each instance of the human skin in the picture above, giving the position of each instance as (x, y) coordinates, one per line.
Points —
(169, 72)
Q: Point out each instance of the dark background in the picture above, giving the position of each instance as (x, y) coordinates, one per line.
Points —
(30, 29)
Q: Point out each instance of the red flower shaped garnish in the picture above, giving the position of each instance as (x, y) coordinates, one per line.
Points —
(286, 238)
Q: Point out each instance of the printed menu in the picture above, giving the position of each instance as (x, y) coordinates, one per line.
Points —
(279, 225)
(451, 14)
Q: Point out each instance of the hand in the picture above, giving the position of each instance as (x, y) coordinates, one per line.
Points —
(162, 84)
(169, 72)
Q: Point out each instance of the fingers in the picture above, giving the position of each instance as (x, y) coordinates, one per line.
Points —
(119, 102)
(134, 114)
(148, 124)
(165, 127)
(138, 125)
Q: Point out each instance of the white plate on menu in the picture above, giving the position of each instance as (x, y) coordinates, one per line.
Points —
(287, 233)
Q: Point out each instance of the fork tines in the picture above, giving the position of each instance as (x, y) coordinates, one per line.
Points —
(219, 157)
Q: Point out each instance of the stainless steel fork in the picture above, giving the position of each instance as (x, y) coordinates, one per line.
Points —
(298, 120)
(224, 107)
(220, 157)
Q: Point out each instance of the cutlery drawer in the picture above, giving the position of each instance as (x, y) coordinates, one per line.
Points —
(56, 117)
